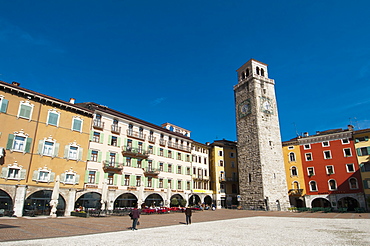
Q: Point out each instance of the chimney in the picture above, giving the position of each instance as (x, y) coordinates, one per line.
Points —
(72, 100)
(305, 134)
(16, 83)
(350, 127)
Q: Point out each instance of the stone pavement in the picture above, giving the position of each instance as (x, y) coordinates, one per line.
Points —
(220, 227)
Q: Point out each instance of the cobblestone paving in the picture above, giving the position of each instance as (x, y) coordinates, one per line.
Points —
(26, 228)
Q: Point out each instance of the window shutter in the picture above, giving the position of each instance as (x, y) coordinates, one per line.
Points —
(135, 144)
(23, 173)
(4, 106)
(35, 175)
(66, 150)
(134, 162)
(356, 140)
(86, 176)
(4, 172)
(9, 145)
(63, 177)
(56, 150)
(117, 159)
(105, 175)
(358, 151)
(165, 168)
(115, 179)
(76, 124)
(101, 138)
(366, 185)
(368, 150)
(91, 135)
(122, 179)
(80, 151)
(53, 118)
(89, 154)
(366, 138)
(362, 167)
(97, 176)
(40, 149)
(165, 183)
(28, 145)
(132, 180)
(52, 177)
(109, 139)
(119, 142)
(107, 156)
(77, 179)
(145, 181)
(99, 156)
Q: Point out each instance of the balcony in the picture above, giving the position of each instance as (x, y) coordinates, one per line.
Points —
(151, 139)
(110, 166)
(151, 172)
(162, 142)
(137, 135)
(98, 124)
(178, 146)
(115, 129)
(295, 192)
(129, 151)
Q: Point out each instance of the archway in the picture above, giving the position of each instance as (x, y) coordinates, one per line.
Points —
(38, 204)
(349, 203)
(154, 200)
(177, 200)
(320, 203)
(125, 200)
(6, 202)
(208, 200)
(89, 200)
(194, 200)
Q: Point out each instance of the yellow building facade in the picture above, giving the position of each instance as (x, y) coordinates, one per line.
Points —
(294, 173)
(42, 139)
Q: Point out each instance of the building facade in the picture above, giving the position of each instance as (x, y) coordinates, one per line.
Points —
(262, 180)
(41, 138)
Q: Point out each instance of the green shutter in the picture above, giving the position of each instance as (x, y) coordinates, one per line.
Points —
(109, 139)
(366, 185)
(56, 149)
(123, 179)
(86, 176)
(97, 176)
(107, 156)
(28, 145)
(132, 180)
(115, 179)
(91, 135)
(358, 151)
(35, 175)
(165, 183)
(23, 173)
(117, 159)
(133, 162)
(39, 149)
(368, 150)
(119, 142)
(66, 149)
(99, 156)
(52, 177)
(105, 176)
(89, 154)
(63, 177)
(80, 151)
(4, 106)
(4, 172)
(362, 167)
(77, 179)
(9, 145)
(101, 140)
(135, 144)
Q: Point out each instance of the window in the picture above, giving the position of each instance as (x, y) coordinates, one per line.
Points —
(48, 148)
(307, 146)
(98, 122)
(362, 139)
(293, 171)
(222, 176)
(112, 159)
(332, 184)
(199, 159)
(363, 151)
(232, 155)
(205, 172)
(149, 183)
(187, 158)
(178, 156)
(178, 169)
(291, 147)
(19, 141)
(232, 164)
(70, 178)
(220, 153)
(330, 169)
(169, 182)
(310, 171)
(188, 185)
(53, 117)
(325, 144)
(345, 141)
(14, 173)
(161, 166)
(327, 154)
(347, 152)
(3, 104)
(350, 168)
(140, 147)
(25, 110)
(141, 130)
(194, 170)
(313, 186)
(308, 156)
(169, 168)
(43, 175)
(221, 163)
(150, 165)
(77, 124)
(114, 141)
(188, 171)
(129, 145)
(96, 137)
(292, 157)
(353, 184)
(72, 154)
(130, 129)
(139, 161)
(169, 154)
(365, 167)
(160, 184)
(94, 155)
(110, 178)
(150, 149)
(91, 177)
(160, 152)
(128, 161)
(179, 185)
(127, 180)
(138, 180)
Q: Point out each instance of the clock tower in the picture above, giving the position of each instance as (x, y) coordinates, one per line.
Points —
(260, 158)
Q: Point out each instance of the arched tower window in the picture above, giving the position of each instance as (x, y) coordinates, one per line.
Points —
(293, 171)
(258, 70)
(313, 186)
(291, 156)
(262, 72)
(332, 184)
(247, 72)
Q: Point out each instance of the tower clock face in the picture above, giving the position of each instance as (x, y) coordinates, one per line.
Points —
(244, 108)
(266, 105)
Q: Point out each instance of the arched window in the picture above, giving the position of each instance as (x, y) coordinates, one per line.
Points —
(293, 171)
(262, 72)
(313, 186)
(247, 72)
(258, 70)
(291, 156)
(353, 184)
(295, 185)
(332, 184)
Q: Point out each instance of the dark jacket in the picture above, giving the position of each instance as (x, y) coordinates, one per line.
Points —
(188, 211)
(135, 213)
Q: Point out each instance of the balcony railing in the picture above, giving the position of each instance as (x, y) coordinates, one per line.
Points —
(98, 124)
(112, 166)
(151, 171)
(133, 134)
(162, 142)
(134, 152)
(151, 139)
(115, 128)
(178, 146)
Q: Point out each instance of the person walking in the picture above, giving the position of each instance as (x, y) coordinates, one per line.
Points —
(188, 213)
(135, 215)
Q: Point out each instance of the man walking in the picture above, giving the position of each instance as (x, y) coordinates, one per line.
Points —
(135, 215)
(188, 213)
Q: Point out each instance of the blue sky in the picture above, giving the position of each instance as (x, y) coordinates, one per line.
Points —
(175, 61)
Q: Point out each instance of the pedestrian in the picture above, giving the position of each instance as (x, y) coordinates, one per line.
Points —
(135, 215)
(188, 213)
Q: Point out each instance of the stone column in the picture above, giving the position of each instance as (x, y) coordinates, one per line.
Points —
(20, 194)
(70, 202)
